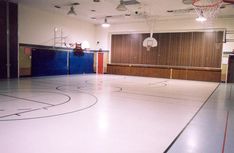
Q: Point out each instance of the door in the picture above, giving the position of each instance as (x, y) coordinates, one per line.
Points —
(230, 78)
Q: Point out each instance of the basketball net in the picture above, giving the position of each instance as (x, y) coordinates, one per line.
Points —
(148, 47)
(207, 8)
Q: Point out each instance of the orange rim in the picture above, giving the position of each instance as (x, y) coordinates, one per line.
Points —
(210, 5)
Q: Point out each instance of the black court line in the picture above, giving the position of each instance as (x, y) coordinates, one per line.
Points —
(19, 113)
(24, 109)
(4, 101)
(55, 115)
(148, 95)
(176, 138)
(119, 79)
(34, 101)
(45, 108)
(84, 89)
(164, 84)
(87, 88)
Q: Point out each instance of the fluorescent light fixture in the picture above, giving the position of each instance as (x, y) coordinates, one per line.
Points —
(105, 24)
(201, 19)
(121, 6)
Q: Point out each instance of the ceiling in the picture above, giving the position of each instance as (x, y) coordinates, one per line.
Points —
(156, 8)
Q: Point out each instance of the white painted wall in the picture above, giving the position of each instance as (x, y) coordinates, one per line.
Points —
(37, 27)
(172, 25)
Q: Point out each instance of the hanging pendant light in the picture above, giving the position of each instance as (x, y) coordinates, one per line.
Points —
(201, 17)
(105, 24)
(121, 6)
(71, 11)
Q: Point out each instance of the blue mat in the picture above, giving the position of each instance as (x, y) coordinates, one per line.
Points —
(49, 62)
(81, 64)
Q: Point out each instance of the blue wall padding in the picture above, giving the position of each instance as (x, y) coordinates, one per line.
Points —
(81, 64)
(49, 62)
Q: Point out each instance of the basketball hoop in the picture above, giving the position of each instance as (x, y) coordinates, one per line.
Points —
(207, 9)
(150, 42)
(78, 51)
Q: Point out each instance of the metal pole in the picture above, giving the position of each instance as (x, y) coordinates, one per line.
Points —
(8, 40)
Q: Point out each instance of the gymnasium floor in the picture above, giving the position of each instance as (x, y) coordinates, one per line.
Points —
(115, 114)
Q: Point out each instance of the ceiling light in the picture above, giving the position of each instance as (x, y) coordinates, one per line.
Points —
(71, 11)
(127, 15)
(57, 6)
(121, 6)
(201, 17)
(105, 24)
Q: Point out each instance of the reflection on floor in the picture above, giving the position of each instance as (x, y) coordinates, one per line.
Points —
(106, 114)
(212, 130)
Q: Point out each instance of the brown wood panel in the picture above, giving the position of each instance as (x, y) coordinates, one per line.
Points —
(175, 49)
(155, 51)
(3, 40)
(116, 50)
(13, 26)
(136, 48)
(138, 71)
(125, 50)
(197, 54)
(179, 74)
(212, 49)
(196, 73)
(209, 49)
(164, 47)
(158, 72)
(218, 49)
(121, 70)
(204, 75)
(185, 49)
(196, 49)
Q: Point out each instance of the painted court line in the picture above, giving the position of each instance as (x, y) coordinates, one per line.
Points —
(27, 99)
(225, 133)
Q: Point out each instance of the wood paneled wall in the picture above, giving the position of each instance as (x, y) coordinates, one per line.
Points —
(193, 49)
(173, 72)
(137, 70)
